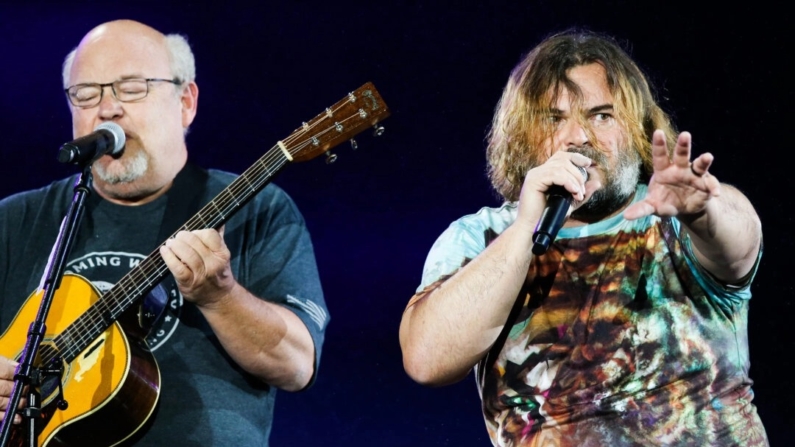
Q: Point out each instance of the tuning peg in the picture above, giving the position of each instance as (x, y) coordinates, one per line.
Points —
(378, 130)
(330, 158)
(354, 144)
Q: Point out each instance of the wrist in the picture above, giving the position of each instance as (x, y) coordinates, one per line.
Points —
(692, 218)
(218, 300)
(520, 235)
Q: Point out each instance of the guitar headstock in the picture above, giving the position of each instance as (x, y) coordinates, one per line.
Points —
(359, 110)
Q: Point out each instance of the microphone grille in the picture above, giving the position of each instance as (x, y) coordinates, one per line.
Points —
(583, 172)
(118, 135)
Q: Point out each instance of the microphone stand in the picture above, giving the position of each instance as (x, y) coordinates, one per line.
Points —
(26, 373)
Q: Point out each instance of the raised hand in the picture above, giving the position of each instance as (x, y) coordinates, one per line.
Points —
(677, 186)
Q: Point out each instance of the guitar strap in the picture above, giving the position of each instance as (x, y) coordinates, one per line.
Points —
(184, 199)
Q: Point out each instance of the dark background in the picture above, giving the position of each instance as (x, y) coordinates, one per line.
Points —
(374, 214)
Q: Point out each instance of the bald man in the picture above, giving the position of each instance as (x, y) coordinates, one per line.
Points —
(241, 313)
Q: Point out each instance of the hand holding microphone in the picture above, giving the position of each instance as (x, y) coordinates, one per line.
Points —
(554, 215)
(107, 138)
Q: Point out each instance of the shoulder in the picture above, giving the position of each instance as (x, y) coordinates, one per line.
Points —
(271, 204)
(485, 219)
(219, 179)
(464, 239)
(34, 198)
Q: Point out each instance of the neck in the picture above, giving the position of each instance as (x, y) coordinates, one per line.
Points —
(132, 197)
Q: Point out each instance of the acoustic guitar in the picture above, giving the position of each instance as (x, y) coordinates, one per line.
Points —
(110, 378)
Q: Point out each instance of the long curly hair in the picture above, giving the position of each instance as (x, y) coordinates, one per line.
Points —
(520, 127)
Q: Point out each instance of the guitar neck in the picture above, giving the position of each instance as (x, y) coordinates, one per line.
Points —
(148, 273)
(357, 111)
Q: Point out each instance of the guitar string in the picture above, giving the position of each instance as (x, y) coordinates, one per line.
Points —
(105, 305)
(236, 204)
(131, 283)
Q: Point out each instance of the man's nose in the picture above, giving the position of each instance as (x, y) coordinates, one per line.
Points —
(109, 106)
(572, 133)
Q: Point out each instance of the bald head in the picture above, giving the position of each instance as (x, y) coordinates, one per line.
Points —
(123, 29)
(173, 49)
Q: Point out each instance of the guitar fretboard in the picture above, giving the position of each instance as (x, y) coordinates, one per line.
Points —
(349, 116)
(149, 272)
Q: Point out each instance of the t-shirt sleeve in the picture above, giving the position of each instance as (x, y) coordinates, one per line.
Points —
(278, 262)
(724, 294)
(456, 246)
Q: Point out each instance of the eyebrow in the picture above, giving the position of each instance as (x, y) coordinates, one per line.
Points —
(132, 76)
(601, 108)
(592, 110)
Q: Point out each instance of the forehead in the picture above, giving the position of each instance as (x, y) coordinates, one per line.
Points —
(109, 55)
(591, 80)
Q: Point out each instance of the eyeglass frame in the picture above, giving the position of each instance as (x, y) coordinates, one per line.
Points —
(175, 81)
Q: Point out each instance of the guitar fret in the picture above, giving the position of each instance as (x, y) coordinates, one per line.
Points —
(265, 167)
(201, 219)
(223, 215)
(245, 179)
(227, 199)
(189, 225)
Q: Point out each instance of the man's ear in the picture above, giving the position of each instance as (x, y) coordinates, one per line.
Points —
(190, 102)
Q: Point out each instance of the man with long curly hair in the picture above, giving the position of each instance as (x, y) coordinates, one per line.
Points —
(630, 329)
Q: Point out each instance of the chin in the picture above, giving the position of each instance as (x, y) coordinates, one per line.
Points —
(122, 170)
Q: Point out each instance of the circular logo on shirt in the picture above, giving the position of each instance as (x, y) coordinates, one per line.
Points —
(160, 308)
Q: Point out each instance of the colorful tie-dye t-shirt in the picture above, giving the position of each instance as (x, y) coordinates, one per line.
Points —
(618, 338)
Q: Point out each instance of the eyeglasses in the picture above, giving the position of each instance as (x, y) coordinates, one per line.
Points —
(125, 90)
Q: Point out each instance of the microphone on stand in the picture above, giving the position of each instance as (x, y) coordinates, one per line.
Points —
(107, 138)
(553, 217)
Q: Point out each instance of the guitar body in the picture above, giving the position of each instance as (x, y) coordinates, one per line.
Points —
(111, 387)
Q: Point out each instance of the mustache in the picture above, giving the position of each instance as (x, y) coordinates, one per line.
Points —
(596, 155)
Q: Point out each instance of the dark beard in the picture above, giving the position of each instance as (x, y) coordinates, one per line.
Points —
(619, 188)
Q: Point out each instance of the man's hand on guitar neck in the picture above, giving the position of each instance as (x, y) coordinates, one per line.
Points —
(7, 369)
(199, 261)
(266, 339)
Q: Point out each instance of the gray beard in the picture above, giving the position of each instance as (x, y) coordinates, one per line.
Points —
(621, 182)
(135, 168)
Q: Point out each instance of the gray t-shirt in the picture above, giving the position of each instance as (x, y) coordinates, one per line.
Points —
(205, 398)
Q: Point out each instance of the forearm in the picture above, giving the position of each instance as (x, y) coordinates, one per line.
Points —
(727, 236)
(446, 333)
(265, 339)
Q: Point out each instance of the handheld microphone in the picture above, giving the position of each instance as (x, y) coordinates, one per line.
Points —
(107, 138)
(558, 203)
